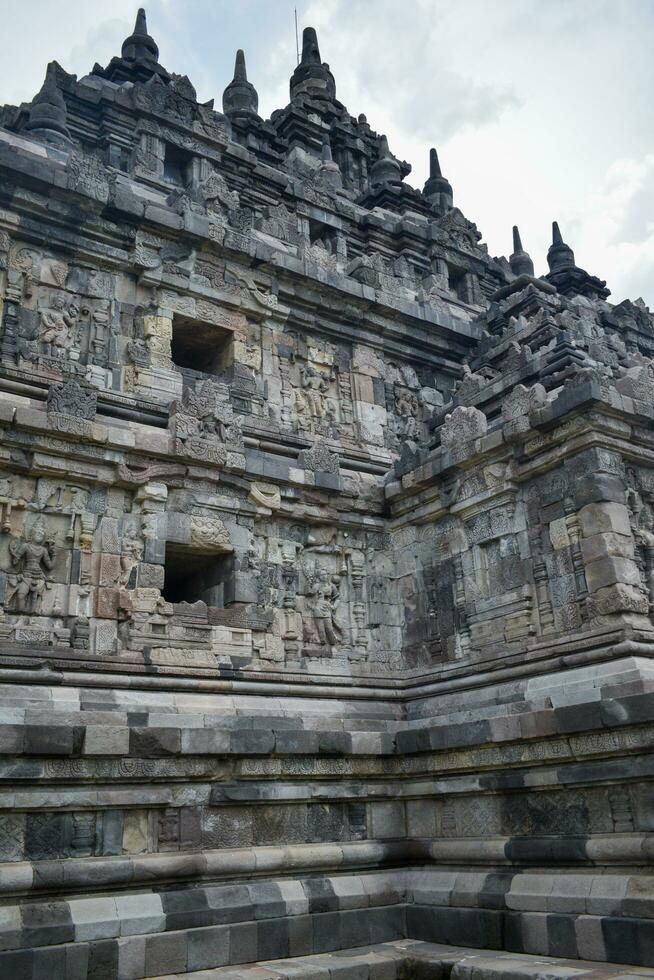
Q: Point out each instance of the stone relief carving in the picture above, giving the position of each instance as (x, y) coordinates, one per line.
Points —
(204, 424)
(319, 458)
(281, 223)
(407, 407)
(210, 533)
(463, 425)
(70, 398)
(310, 402)
(325, 599)
(275, 501)
(58, 332)
(32, 559)
(642, 523)
(318, 412)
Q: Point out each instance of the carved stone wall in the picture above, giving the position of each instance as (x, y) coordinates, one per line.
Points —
(326, 554)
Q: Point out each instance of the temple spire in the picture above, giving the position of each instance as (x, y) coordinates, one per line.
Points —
(312, 76)
(139, 46)
(437, 189)
(329, 170)
(566, 275)
(310, 49)
(48, 113)
(385, 170)
(559, 255)
(240, 71)
(520, 261)
(240, 96)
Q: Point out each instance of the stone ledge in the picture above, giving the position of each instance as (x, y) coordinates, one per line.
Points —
(570, 914)
(551, 868)
(393, 960)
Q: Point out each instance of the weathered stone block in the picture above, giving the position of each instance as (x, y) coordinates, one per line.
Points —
(208, 948)
(106, 740)
(94, 918)
(607, 545)
(107, 603)
(604, 518)
(610, 571)
(152, 742)
(165, 953)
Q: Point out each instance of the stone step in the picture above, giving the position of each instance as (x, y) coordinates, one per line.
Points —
(136, 935)
(411, 958)
(143, 734)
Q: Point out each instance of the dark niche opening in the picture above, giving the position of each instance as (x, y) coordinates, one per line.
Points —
(457, 282)
(321, 234)
(462, 283)
(178, 165)
(190, 576)
(199, 346)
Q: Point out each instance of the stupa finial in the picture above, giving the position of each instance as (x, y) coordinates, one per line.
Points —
(326, 153)
(310, 49)
(385, 170)
(240, 96)
(437, 189)
(140, 46)
(520, 261)
(559, 255)
(312, 76)
(48, 113)
(141, 24)
(329, 169)
(240, 71)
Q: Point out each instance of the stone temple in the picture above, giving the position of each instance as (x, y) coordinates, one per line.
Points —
(326, 557)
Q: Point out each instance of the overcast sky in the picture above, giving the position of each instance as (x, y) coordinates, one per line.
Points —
(540, 109)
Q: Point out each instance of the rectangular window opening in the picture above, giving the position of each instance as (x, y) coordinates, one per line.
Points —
(202, 347)
(462, 283)
(192, 576)
(177, 165)
(322, 234)
(457, 282)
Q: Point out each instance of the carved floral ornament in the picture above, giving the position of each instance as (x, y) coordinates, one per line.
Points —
(521, 401)
(462, 426)
(319, 458)
(71, 398)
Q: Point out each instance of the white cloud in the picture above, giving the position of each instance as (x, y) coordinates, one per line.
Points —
(539, 110)
(72, 32)
(617, 226)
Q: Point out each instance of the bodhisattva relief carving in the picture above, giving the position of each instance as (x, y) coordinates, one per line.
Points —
(32, 558)
(313, 407)
(58, 331)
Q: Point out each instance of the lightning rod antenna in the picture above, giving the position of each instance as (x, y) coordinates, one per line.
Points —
(297, 42)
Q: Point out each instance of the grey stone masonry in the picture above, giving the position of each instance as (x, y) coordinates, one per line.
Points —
(326, 556)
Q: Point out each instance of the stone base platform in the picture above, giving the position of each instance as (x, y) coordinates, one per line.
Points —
(410, 959)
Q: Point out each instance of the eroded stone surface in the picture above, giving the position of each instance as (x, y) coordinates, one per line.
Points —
(326, 551)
